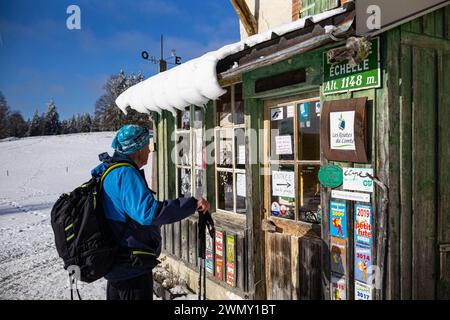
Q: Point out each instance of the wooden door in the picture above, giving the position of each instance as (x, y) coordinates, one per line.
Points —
(291, 222)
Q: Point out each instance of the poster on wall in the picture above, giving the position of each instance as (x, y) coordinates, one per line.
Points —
(338, 219)
(283, 184)
(363, 262)
(363, 291)
(338, 287)
(241, 185)
(209, 253)
(363, 224)
(342, 130)
(358, 179)
(219, 255)
(338, 256)
(231, 259)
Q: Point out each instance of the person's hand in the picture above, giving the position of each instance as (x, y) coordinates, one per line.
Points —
(202, 205)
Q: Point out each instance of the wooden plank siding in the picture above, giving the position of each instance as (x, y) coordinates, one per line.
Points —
(419, 201)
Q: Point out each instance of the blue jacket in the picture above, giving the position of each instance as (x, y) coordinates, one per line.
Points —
(135, 217)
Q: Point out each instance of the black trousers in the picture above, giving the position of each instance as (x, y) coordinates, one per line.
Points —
(139, 288)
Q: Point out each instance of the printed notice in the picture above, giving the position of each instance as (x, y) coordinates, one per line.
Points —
(241, 154)
(283, 184)
(240, 185)
(363, 262)
(290, 111)
(283, 145)
(342, 130)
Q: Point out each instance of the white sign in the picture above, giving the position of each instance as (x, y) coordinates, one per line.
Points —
(241, 154)
(363, 291)
(198, 149)
(240, 185)
(357, 179)
(352, 196)
(283, 184)
(290, 111)
(283, 145)
(276, 114)
(342, 131)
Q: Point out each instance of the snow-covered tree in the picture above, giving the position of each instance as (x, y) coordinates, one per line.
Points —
(108, 117)
(52, 126)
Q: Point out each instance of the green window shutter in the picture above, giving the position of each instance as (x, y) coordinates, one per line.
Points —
(312, 7)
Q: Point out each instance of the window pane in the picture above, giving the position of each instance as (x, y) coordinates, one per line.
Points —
(283, 191)
(309, 130)
(198, 183)
(239, 143)
(309, 186)
(225, 191)
(184, 119)
(225, 148)
(198, 118)
(282, 133)
(223, 107)
(241, 193)
(183, 145)
(184, 182)
(238, 116)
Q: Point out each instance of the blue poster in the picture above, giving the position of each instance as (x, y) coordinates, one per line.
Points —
(363, 262)
(304, 112)
(338, 219)
(363, 224)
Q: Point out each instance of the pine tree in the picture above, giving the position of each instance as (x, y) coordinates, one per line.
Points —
(35, 127)
(52, 126)
(17, 125)
(4, 113)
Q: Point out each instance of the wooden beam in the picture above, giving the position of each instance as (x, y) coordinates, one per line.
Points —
(245, 15)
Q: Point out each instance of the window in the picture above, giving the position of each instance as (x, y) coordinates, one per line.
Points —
(230, 151)
(189, 152)
(295, 160)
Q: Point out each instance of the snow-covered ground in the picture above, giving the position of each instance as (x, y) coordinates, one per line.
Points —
(33, 173)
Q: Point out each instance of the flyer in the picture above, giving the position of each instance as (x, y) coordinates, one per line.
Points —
(231, 260)
(338, 256)
(363, 262)
(338, 219)
(363, 291)
(283, 145)
(219, 255)
(363, 224)
(209, 253)
(338, 287)
(283, 184)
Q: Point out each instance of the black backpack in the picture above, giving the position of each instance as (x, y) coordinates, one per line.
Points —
(82, 235)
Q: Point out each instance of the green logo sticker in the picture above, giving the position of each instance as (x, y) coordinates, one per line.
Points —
(331, 176)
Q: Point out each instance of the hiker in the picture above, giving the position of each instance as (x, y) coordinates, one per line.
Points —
(135, 216)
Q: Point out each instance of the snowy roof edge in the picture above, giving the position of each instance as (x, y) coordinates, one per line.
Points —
(195, 82)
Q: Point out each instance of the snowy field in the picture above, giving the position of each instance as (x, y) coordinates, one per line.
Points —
(33, 173)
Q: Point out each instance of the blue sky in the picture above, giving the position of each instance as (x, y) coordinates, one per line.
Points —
(40, 59)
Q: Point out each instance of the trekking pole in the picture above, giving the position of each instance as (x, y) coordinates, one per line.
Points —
(204, 221)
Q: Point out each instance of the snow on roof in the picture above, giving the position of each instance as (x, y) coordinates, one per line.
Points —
(195, 81)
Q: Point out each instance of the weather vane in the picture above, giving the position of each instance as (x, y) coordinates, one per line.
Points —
(162, 61)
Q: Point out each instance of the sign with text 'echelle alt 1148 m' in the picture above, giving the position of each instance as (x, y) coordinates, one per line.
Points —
(341, 77)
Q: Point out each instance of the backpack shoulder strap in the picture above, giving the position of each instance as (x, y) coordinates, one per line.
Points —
(111, 168)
